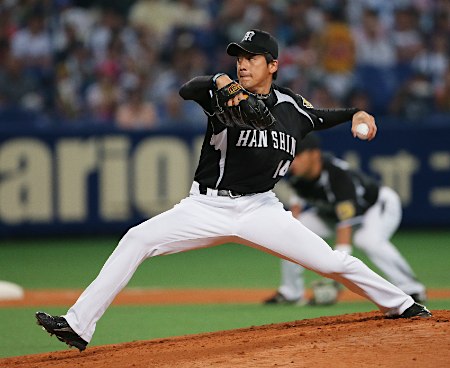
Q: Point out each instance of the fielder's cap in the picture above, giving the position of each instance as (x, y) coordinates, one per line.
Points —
(255, 41)
(310, 142)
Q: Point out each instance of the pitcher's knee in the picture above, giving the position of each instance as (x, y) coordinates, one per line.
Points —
(136, 239)
(133, 235)
(336, 264)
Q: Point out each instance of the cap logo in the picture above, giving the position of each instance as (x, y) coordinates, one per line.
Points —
(248, 36)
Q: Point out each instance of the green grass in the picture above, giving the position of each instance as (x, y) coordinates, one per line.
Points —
(73, 263)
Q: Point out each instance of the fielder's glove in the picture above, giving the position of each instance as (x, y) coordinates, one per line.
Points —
(324, 292)
(250, 113)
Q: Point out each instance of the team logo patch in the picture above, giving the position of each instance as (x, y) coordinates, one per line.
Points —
(307, 104)
(345, 210)
(233, 88)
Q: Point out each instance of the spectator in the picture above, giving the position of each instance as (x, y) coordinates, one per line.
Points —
(32, 45)
(17, 88)
(441, 21)
(321, 96)
(359, 99)
(233, 19)
(185, 61)
(375, 59)
(355, 10)
(104, 94)
(177, 113)
(337, 53)
(107, 30)
(135, 113)
(192, 15)
(414, 100)
(405, 34)
(68, 104)
(407, 41)
(167, 41)
(65, 42)
(302, 18)
(432, 59)
(80, 67)
(79, 19)
(7, 25)
(268, 15)
(443, 94)
(301, 66)
(159, 16)
(373, 45)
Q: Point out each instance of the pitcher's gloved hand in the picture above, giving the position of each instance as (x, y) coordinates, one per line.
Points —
(251, 112)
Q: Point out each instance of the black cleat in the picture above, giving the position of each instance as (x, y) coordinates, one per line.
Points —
(415, 310)
(59, 327)
(279, 299)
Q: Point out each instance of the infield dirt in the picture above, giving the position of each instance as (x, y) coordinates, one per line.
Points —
(130, 296)
(351, 340)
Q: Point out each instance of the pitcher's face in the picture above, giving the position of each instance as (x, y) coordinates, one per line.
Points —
(254, 73)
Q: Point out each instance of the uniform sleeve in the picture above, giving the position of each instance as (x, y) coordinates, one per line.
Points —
(331, 117)
(198, 90)
(327, 118)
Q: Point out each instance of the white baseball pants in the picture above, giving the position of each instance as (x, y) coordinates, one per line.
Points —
(378, 225)
(200, 221)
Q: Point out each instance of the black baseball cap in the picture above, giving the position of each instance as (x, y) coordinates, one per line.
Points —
(255, 41)
(309, 142)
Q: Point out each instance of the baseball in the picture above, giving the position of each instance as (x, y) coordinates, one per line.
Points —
(362, 130)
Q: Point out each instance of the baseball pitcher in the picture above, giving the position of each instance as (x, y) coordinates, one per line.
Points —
(253, 131)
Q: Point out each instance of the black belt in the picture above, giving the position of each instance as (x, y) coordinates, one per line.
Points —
(224, 192)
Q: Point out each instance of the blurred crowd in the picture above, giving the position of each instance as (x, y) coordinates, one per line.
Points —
(121, 63)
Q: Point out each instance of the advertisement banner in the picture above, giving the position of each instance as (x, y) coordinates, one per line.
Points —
(70, 182)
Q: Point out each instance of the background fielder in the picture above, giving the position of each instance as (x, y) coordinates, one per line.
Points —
(350, 205)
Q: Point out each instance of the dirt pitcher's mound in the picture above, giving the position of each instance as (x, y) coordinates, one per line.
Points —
(352, 340)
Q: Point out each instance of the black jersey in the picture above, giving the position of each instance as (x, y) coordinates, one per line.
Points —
(249, 160)
(340, 193)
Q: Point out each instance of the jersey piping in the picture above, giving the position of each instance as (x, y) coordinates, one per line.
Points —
(219, 141)
(281, 97)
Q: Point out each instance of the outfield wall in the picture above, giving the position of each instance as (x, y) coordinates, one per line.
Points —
(104, 180)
